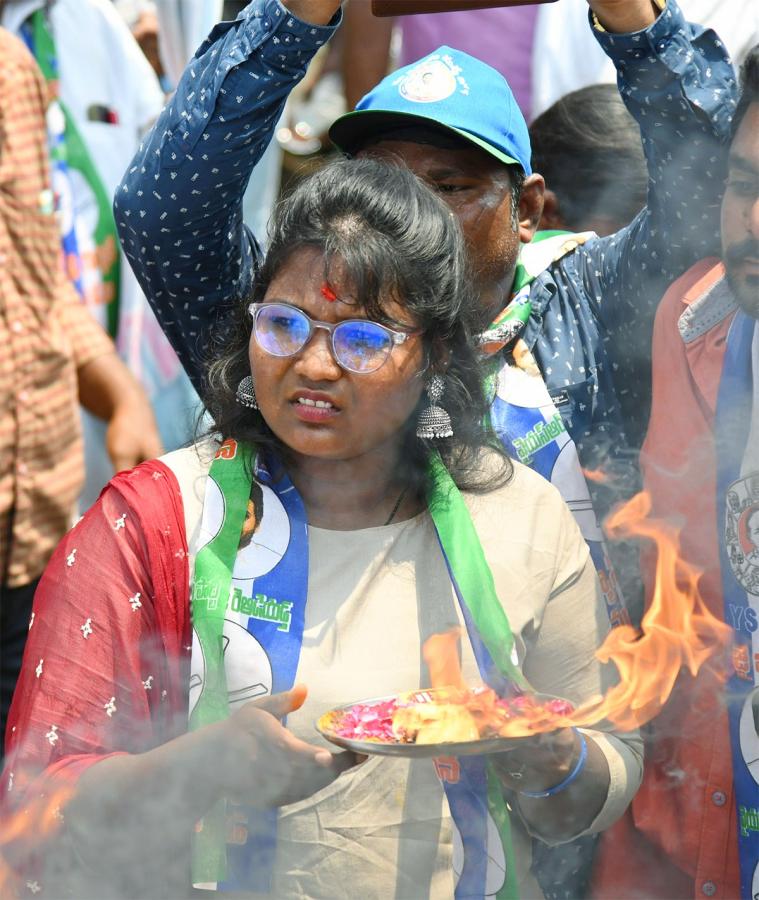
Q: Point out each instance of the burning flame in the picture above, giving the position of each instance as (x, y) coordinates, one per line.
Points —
(36, 821)
(677, 631)
(441, 654)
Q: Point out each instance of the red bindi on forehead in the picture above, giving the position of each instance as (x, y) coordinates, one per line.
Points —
(328, 293)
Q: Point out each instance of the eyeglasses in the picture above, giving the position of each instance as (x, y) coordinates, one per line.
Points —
(358, 345)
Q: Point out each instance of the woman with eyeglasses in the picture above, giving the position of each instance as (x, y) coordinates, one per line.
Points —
(350, 503)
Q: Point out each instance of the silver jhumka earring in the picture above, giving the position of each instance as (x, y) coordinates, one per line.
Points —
(434, 422)
(246, 393)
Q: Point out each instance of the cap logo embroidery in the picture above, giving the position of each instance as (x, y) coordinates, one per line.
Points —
(432, 80)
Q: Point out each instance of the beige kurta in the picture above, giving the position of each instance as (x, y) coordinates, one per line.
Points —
(383, 830)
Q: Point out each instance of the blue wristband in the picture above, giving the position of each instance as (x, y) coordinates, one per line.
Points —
(549, 792)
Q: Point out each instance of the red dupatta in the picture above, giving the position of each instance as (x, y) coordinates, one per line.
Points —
(106, 665)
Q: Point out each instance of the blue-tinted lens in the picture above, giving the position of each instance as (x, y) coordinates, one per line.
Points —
(281, 330)
(361, 346)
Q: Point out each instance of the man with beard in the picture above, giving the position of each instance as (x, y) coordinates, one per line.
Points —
(685, 835)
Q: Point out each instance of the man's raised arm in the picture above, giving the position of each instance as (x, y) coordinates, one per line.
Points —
(677, 81)
(179, 206)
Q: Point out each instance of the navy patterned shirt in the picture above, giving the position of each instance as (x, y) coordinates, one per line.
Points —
(178, 208)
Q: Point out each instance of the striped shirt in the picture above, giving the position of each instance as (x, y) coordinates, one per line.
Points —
(45, 335)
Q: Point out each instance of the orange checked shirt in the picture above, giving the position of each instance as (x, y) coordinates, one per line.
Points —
(45, 335)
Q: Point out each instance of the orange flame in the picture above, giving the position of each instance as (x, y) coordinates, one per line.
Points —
(37, 821)
(441, 654)
(677, 631)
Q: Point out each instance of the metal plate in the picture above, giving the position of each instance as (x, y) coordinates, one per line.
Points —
(325, 723)
(422, 751)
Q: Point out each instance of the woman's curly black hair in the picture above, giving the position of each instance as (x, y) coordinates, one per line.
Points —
(393, 238)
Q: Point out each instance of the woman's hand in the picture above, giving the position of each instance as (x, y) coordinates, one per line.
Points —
(264, 764)
(155, 798)
(538, 762)
(543, 762)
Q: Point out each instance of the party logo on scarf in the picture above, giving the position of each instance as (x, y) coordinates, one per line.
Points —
(742, 537)
(265, 533)
(246, 664)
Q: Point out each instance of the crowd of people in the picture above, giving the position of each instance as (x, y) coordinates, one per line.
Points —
(398, 400)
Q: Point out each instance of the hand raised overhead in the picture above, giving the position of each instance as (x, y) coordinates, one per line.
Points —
(624, 16)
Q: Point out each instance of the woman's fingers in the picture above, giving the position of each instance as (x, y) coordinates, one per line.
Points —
(321, 756)
(279, 705)
(341, 762)
(282, 768)
(314, 778)
(299, 771)
(539, 761)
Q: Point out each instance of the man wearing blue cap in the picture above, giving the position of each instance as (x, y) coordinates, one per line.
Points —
(565, 320)
(582, 310)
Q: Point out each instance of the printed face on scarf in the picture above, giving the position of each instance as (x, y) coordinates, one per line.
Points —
(477, 188)
(368, 411)
(740, 214)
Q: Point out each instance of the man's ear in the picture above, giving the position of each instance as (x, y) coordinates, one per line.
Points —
(530, 207)
(552, 217)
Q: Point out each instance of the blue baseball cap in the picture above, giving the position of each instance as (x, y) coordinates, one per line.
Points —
(450, 91)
